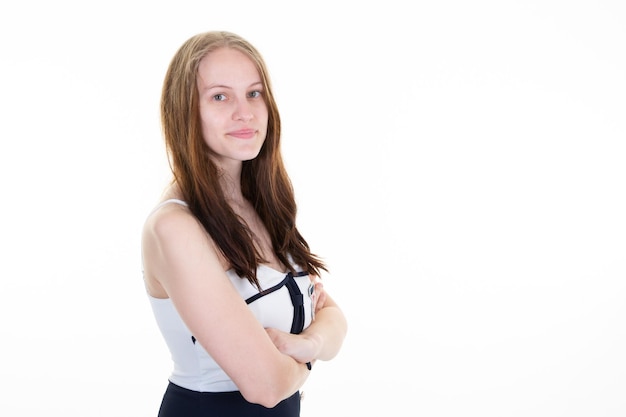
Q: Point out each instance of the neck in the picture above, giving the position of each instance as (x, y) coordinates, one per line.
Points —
(230, 181)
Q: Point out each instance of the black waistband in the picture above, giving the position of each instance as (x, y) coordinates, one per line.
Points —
(182, 402)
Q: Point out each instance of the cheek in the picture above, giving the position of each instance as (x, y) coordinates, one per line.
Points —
(265, 126)
(263, 116)
(208, 122)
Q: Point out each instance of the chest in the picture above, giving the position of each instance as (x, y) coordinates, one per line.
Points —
(275, 306)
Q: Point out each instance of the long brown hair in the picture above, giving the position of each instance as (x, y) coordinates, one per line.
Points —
(264, 180)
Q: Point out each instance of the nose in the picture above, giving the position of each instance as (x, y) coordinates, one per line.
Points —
(243, 111)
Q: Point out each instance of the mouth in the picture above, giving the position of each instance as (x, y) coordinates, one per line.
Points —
(243, 133)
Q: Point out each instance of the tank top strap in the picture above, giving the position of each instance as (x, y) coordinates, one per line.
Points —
(168, 201)
(172, 200)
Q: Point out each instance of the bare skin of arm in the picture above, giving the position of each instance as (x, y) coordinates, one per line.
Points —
(182, 263)
(322, 339)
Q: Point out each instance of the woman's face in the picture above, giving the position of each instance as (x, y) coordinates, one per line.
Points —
(232, 108)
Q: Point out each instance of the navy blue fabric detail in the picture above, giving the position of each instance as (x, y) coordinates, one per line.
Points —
(297, 299)
(297, 325)
(268, 291)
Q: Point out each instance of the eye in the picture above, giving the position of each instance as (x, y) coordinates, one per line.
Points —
(254, 94)
(219, 97)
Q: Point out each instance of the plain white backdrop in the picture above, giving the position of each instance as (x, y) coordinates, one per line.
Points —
(459, 165)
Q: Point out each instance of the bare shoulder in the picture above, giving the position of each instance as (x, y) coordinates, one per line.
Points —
(169, 221)
(168, 215)
(172, 240)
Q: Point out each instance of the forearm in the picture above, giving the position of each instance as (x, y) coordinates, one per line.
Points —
(328, 330)
(322, 340)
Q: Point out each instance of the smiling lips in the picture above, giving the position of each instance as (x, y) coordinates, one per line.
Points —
(243, 133)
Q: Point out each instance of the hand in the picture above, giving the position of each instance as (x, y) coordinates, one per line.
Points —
(302, 347)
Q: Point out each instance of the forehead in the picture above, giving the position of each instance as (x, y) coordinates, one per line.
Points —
(227, 67)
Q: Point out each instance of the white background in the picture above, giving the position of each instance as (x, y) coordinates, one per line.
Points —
(459, 165)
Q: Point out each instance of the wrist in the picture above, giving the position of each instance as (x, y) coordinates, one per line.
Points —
(317, 341)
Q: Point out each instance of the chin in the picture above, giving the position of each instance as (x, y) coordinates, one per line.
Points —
(251, 158)
(250, 154)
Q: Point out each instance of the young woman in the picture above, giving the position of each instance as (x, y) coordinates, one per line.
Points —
(233, 285)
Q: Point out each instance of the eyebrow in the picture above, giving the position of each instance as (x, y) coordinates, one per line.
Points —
(212, 86)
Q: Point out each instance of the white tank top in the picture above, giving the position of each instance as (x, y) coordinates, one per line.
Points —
(194, 368)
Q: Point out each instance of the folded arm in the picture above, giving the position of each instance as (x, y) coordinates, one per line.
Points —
(184, 261)
(322, 340)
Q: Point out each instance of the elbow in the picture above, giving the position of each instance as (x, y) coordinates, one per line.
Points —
(275, 385)
(270, 382)
(264, 394)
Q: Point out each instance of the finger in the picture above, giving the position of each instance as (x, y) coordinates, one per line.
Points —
(320, 299)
